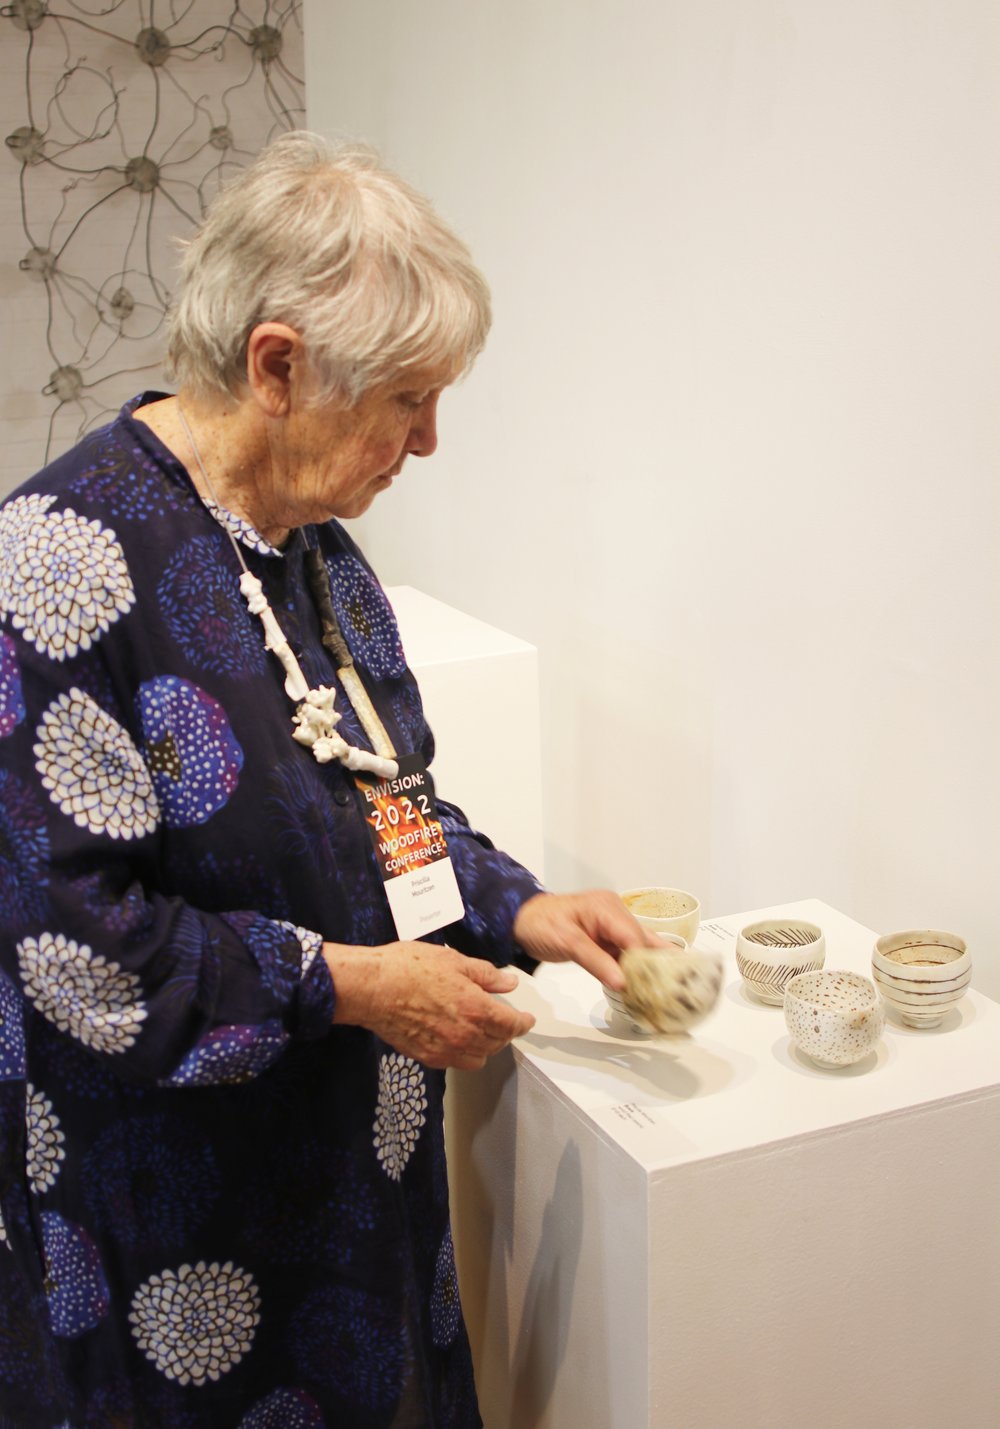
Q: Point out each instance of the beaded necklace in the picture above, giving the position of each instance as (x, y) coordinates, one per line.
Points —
(315, 717)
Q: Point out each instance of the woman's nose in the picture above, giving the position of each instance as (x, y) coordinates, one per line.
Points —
(423, 438)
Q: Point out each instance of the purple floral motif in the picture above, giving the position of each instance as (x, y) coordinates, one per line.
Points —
(123, 1403)
(63, 1062)
(120, 910)
(276, 948)
(24, 1358)
(446, 1313)
(316, 1207)
(303, 812)
(284, 1409)
(125, 481)
(150, 1181)
(485, 918)
(354, 1343)
(76, 1286)
(199, 594)
(230, 1054)
(24, 852)
(192, 754)
(408, 712)
(11, 697)
(365, 615)
(13, 1067)
(215, 883)
(194, 961)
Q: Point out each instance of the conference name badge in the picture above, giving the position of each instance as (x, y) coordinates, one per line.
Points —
(410, 848)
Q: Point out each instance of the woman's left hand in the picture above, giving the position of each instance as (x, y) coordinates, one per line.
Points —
(586, 928)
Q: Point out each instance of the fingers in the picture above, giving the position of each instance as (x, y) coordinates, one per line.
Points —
(470, 1049)
(437, 1006)
(596, 960)
(589, 928)
(611, 924)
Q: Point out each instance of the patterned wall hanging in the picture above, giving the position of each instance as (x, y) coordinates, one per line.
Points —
(134, 112)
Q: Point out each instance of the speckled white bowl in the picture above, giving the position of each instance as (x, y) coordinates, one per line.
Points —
(649, 906)
(834, 1017)
(770, 953)
(688, 987)
(921, 973)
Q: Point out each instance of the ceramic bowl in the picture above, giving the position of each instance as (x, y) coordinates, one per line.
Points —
(768, 954)
(664, 910)
(921, 973)
(834, 1017)
(668, 989)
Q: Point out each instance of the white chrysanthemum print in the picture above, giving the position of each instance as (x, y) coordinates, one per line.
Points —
(63, 579)
(400, 1112)
(95, 1000)
(3, 1232)
(17, 518)
(45, 1150)
(92, 769)
(197, 1322)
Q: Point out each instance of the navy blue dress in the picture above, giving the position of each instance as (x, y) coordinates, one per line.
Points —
(217, 1209)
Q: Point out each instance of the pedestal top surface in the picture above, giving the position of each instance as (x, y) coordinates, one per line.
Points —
(436, 634)
(737, 1082)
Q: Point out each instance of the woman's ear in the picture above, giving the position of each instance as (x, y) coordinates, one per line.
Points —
(275, 367)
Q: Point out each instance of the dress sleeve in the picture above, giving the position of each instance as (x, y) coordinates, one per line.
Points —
(159, 990)
(493, 887)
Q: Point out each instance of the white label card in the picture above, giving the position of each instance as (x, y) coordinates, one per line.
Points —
(425, 900)
(410, 849)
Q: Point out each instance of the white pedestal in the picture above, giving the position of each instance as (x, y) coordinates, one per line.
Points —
(480, 692)
(710, 1231)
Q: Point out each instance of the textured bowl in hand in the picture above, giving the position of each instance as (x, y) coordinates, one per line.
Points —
(668, 989)
(834, 1017)
(768, 954)
(664, 910)
(921, 973)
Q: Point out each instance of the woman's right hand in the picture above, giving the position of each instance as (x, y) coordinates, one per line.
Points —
(426, 1001)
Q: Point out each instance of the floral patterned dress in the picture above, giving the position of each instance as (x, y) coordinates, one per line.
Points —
(217, 1209)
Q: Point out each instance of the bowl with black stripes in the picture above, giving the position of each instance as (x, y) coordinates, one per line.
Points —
(921, 973)
(770, 953)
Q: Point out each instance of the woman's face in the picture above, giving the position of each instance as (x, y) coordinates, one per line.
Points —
(332, 460)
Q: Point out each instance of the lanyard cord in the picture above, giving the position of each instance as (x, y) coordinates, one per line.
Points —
(315, 716)
(319, 585)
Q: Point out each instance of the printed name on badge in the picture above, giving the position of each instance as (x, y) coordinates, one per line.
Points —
(411, 850)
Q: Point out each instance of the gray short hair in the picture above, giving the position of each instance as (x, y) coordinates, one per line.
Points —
(322, 237)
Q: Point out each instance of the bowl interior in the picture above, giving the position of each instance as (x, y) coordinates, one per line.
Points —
(830, 991)
(659, 902)
(921, 948)
(791, 933)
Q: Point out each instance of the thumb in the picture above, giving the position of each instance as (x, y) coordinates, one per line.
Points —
(489, 977)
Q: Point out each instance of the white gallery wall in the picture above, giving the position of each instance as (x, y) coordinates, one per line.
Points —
(731, 458)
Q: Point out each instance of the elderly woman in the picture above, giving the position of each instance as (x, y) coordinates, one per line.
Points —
(222, 1180)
